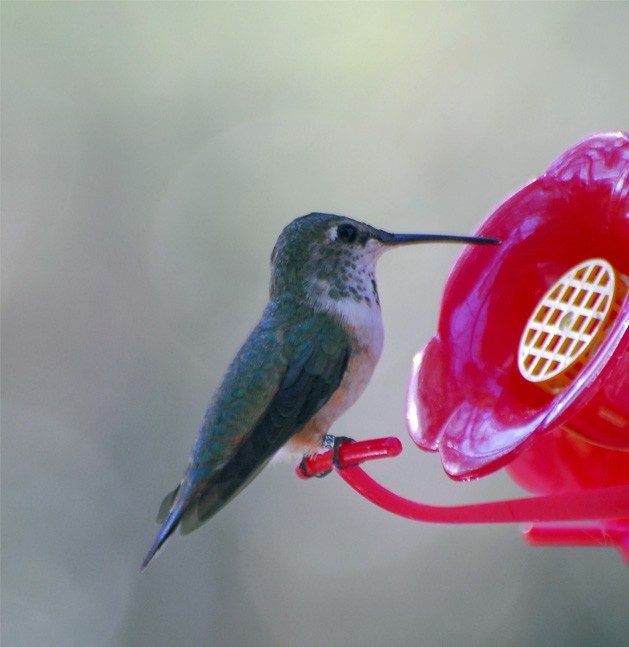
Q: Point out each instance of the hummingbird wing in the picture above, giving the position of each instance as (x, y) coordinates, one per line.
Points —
(280, 378)
(315, 370)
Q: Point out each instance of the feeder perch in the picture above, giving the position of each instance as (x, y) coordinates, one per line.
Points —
(529, 367)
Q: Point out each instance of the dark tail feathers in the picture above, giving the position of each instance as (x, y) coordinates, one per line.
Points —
(170, 518)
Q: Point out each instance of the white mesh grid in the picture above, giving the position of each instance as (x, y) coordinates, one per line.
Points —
(561, 333)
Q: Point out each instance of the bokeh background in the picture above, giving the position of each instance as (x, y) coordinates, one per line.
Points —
(151, 153)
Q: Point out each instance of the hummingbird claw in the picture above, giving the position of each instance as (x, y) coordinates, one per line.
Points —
(303, 470)
(333, 443)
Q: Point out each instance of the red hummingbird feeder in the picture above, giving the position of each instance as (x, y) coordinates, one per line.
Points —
(529, 368)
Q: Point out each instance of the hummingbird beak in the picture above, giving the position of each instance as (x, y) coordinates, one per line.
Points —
(392, 240)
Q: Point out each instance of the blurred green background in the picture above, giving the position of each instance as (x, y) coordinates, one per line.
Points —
(151, 154)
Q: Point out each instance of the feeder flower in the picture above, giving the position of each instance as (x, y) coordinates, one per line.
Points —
(529, 366)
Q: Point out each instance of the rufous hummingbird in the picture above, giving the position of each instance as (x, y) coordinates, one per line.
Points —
(308, 359)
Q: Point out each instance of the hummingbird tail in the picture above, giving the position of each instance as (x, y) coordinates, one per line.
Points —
(170, 516)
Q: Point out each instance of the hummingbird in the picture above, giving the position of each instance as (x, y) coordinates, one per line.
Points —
(307, 361)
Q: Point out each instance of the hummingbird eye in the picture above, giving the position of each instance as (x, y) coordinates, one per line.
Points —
(346, 232)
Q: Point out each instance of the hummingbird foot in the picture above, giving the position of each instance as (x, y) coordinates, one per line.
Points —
(303, 469)
(334, 443)
(329, 442)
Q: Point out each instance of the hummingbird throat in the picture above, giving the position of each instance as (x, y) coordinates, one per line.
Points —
(350, 279)
(347, 289)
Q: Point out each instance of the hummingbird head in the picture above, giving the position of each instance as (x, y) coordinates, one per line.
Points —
(321, 258)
